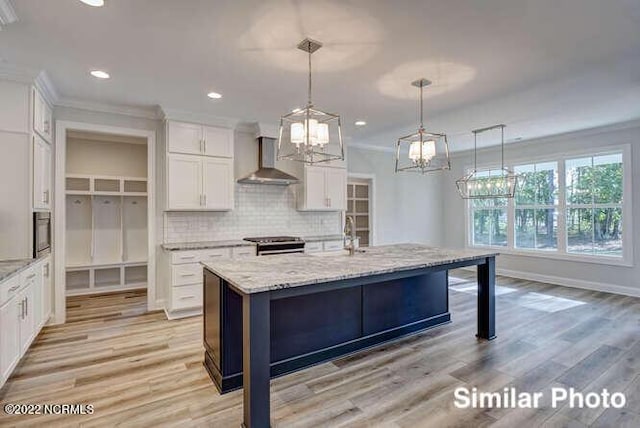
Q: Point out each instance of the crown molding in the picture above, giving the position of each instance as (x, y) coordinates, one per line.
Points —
(370, 147)
(7, 13)
(141, 112)
(18, 73)
(46, 88)
(200, 118)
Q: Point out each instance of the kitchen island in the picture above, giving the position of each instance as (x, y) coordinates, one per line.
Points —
(269, 316)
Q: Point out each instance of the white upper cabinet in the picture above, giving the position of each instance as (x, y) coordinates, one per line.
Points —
(335, 188)
(42, 116)
(184, 138)
(323, 189)
(199, 167)
(193, 139)
(184, 182)
(218, 183)
(218, 142)
(41, 174)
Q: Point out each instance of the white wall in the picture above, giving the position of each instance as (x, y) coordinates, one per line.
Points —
(106, 158)
(588, 275)
(407, 205)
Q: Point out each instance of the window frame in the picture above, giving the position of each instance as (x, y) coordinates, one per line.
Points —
(561, 253)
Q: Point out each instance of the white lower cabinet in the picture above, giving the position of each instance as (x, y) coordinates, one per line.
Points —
(25, 306)
(320, 246)
(185, 270)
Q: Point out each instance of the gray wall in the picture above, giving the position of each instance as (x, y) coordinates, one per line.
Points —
(407, 205)
(589, 275)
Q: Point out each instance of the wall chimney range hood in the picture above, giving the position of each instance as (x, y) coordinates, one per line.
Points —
(267, 172)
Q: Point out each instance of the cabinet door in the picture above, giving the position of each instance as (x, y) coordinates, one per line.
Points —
(315, 196)
(335, 188)
(27, 319)
(217, 179)
(9, 337)
(46, 291)
(184, 180)
(218, 142)
(184, 138)
(41, 174)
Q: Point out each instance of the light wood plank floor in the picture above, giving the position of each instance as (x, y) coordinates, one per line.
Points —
(138, 369)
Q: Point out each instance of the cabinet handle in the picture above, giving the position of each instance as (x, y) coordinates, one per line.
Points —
(201, 146)
(205, 146)
(26, 307)
(204, 197)
(14, 288)
(46, 197)
(22, 309)
(46, 270)
(187, 297)
(329, 199)
(31, 276)
(187, 274)
(187, 257)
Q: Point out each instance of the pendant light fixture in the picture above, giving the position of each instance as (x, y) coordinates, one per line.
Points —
(308, 134)
(422, 151)
(488, 184)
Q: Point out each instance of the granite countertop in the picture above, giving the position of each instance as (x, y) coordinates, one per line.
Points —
(261, 274)
(9, 268)
(178, 246)
(320, 238)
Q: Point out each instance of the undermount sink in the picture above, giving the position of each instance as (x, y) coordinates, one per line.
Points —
(337, 253)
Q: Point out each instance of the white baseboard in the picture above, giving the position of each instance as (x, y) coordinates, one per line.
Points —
(567, 282)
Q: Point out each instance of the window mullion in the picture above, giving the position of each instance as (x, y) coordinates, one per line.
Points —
(562, 207)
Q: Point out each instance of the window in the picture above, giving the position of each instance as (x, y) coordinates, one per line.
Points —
(536, 206)
(489, 217)
(358, 202)
(594, 205)
(570, 207)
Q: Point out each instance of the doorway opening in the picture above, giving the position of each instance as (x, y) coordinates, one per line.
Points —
(359, 206)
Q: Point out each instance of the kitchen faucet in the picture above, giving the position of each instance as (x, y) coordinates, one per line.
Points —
(350, 228)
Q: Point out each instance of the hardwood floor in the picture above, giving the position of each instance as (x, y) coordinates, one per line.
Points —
(139, 369)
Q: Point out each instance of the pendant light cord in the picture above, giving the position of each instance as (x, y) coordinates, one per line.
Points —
(309, 50)
(475, 151)
(421, 112)
(502, 145)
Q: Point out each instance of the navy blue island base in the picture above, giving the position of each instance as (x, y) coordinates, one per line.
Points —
(250, 338)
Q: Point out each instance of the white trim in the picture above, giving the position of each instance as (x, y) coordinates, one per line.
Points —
(371, 147)
(145, 113)
(570, 282)
(46, 88)
(7, 13)
(567, 282)
(372, 201)
(197, 118)
(59, 313)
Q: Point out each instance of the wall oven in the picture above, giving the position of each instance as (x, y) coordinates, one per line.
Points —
(41, 234)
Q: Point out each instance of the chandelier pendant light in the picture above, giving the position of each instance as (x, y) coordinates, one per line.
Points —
(487, 185)
(423, 151)
(308, 134)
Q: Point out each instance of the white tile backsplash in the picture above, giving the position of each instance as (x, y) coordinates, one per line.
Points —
(260, 210)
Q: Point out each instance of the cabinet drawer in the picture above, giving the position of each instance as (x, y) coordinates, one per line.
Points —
(313, 247)
(333, 245)
(186, 296)
(8, 289)
(181, 257)
(186, 274)
(215, 253)
(244, 252)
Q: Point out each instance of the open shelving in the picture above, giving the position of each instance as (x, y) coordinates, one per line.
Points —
(106, 233)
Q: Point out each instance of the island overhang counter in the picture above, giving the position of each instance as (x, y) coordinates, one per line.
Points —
(272, 315)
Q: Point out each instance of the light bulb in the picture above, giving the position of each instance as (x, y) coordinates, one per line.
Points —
(323, 134)
(297, 133)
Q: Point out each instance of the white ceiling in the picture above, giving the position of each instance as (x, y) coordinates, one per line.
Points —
(540, 66)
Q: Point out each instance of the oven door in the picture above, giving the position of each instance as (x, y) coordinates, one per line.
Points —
(41, 234)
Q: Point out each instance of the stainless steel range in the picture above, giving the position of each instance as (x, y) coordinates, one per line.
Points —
(270, 245)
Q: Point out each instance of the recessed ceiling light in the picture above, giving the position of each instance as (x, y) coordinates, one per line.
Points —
(100, 74)
(360, 123)
(94, 3)
(214, 95)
